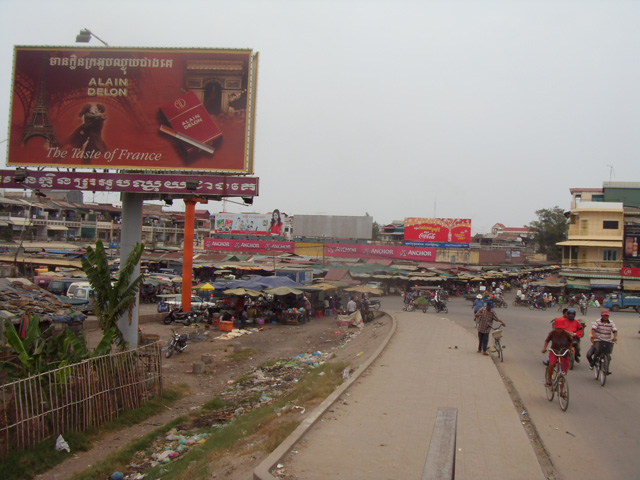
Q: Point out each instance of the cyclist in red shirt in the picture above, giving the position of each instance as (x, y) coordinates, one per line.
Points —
(576, 329)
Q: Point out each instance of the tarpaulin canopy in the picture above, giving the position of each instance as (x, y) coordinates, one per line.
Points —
(260, 283)
(365, 289)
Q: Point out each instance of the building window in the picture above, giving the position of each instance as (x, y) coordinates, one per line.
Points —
(584, 226)
(610, 224)
(609, 255)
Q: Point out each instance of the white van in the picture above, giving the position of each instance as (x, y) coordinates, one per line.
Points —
(71, 291)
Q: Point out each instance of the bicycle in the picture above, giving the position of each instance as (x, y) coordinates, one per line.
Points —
(601, 361)
(559, 382)
(497, 343)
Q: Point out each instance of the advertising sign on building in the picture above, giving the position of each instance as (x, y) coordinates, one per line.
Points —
(441, 232)
(133, 108)
(631, 240)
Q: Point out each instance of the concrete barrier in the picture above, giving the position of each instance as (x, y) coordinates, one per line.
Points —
(441, 459)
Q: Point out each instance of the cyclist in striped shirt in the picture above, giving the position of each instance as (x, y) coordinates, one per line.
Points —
(603, 330)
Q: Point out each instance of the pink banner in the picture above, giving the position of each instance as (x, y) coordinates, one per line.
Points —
(262, 246)
(381, 251)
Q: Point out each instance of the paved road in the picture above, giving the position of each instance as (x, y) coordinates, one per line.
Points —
(598, 436)
(380, 427)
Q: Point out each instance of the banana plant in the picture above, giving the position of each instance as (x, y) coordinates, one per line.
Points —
(112, 300)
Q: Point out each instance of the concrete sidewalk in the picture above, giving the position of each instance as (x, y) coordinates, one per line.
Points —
(379, 426)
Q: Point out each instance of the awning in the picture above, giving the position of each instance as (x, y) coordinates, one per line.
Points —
(631, 285)
(578, 284)
(57, 227)
(604, 283)
(19, 221)
(591, 243)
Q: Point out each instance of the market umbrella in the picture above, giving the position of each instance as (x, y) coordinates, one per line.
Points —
(177, 280)
(282, 291)
(242, 292)
(365, 289)
(24, 326)
(207, 287)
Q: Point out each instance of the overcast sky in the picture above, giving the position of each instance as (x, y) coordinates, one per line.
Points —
(488, 110)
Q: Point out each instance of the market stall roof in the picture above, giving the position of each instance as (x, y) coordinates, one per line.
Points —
(242, 292)
(282, 291)
(365, 289)
(260, 283)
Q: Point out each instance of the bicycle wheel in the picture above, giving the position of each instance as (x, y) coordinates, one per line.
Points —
(549, 388)
(596, 367)
(604, 369)
(563, 392)
(498, 346)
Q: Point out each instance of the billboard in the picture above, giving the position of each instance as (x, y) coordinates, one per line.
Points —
(437, 232)
(242, 223)
(333, 226)
(630, 249)
(133, 108)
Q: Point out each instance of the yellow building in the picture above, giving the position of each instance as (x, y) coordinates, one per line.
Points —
(596, 231)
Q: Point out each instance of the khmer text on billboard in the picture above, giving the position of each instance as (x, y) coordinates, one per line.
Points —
(133, 108)
(437, 232)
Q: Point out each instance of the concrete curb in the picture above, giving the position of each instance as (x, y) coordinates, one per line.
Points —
(262, 471)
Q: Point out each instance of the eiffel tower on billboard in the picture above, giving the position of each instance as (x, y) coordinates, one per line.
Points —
(39, 124)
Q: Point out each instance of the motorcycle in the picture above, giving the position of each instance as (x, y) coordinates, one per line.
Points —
(186, 318)
(178, 343)
(374, 304)
(440, 306)
(500, 303)
(538, 305)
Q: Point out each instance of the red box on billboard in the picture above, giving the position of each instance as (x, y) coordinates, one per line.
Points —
(440, 230)
(133, 108)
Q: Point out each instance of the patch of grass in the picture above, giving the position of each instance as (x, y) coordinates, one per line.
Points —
(243, 354)
(25, 465)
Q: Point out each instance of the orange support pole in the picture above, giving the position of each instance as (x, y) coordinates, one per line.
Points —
(187, 259)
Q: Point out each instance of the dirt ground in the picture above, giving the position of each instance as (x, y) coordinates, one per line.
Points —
(270, 342)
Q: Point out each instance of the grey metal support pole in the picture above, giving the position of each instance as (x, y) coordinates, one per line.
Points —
(131, 234)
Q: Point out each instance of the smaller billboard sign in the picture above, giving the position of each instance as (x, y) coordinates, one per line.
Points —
(437, 230)
(242, 223)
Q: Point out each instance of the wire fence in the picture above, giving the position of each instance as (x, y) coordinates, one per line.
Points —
(77, 397)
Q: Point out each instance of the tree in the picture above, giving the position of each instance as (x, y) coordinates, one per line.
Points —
(550, 228)
(112, 299)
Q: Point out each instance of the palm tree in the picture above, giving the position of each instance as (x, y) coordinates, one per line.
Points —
(112, 299)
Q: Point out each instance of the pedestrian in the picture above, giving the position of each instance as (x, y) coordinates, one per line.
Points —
(485, 318)
(560, 302)
(478, 303)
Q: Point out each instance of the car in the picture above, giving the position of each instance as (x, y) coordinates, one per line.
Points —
(175, 302)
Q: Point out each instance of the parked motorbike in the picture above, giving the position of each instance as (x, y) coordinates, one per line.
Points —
(186, 318)
(178, 343)
(374, 304)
